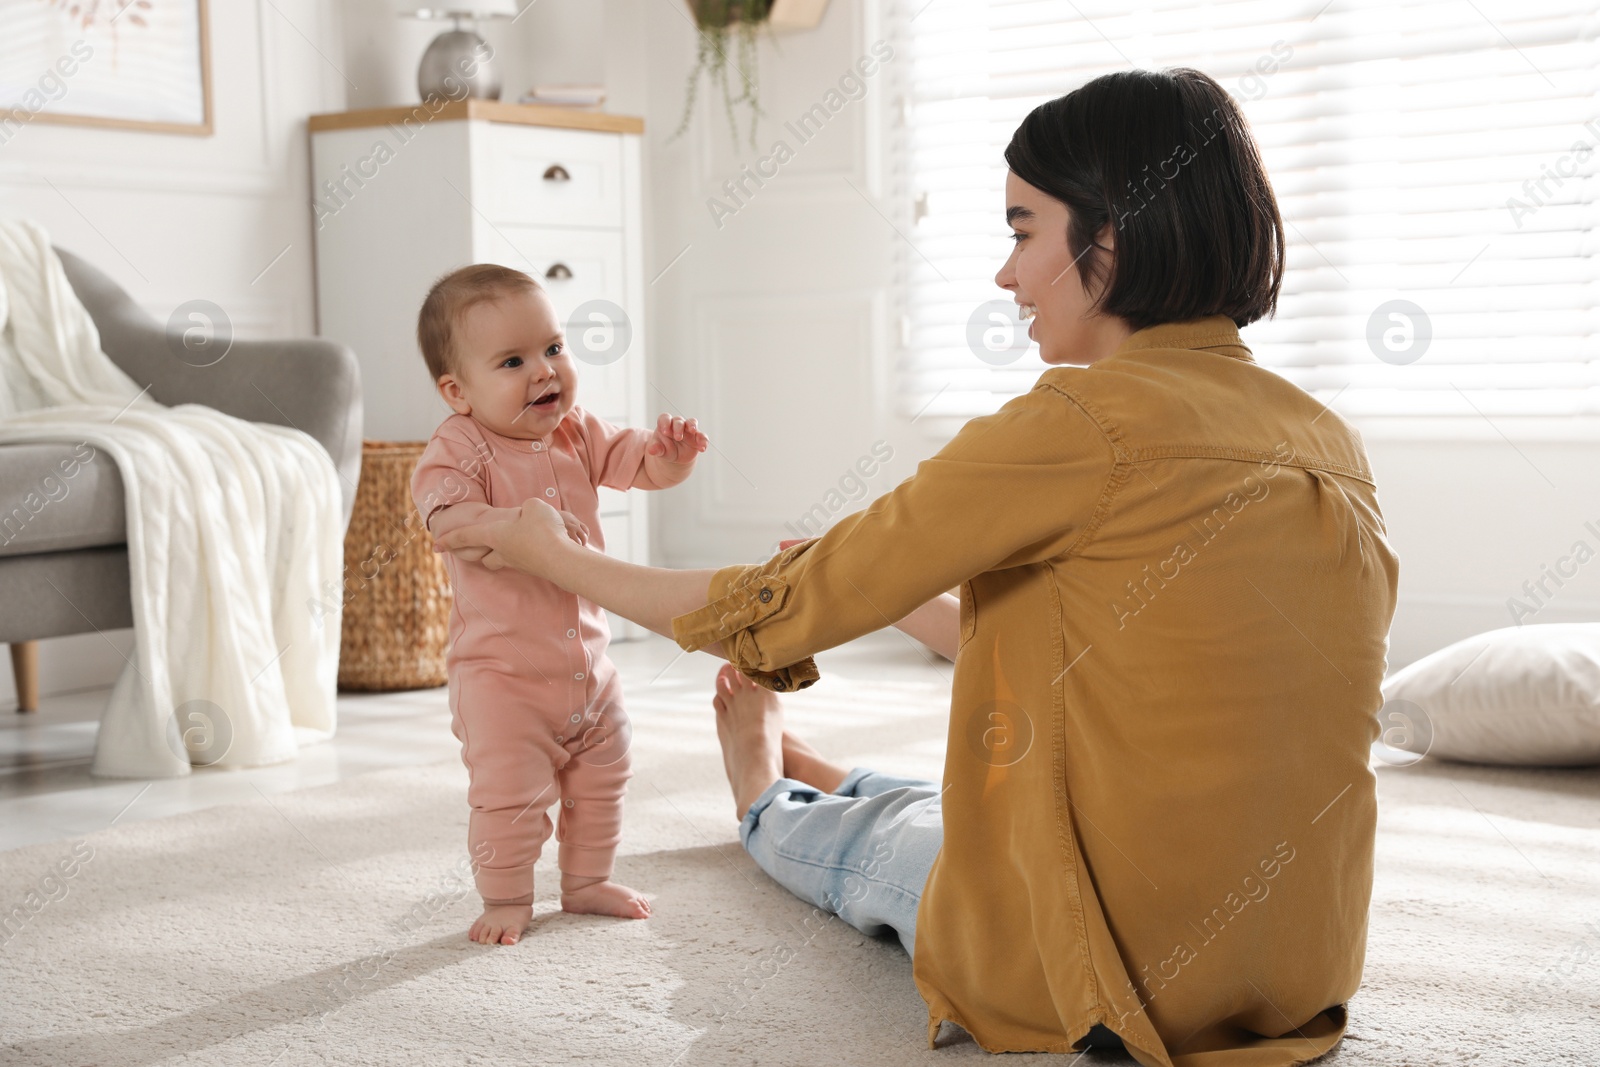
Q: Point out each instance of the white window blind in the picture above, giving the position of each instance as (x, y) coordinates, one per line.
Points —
(1438, 152)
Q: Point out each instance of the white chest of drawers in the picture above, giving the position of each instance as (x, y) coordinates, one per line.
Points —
(403, 195)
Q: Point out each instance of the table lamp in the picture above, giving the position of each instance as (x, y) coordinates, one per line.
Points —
(460, 48)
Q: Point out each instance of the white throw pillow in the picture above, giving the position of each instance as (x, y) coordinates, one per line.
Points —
(1527, 695)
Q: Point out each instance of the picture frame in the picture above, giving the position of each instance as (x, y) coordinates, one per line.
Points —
(117, 64)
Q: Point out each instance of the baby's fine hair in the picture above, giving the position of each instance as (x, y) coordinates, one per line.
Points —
(450, 298)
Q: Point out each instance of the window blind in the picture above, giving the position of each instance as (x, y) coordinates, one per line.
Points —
(1435, 163)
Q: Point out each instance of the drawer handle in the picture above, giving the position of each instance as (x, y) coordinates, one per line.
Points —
(557, 173)
(558, 271)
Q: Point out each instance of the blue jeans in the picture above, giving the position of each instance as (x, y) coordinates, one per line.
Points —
(862, 852)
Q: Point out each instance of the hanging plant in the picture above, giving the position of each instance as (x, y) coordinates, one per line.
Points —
(727, 49)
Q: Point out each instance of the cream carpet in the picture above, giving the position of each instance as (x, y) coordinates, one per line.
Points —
(326, 926)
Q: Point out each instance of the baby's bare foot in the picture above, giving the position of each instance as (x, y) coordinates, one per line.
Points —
(501, 924)
(602, 896)
(750, 728)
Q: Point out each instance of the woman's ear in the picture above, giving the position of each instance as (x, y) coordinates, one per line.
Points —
(1107, 240)
(450, 388)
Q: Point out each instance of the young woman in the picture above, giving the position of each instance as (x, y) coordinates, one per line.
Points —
(1156, 820)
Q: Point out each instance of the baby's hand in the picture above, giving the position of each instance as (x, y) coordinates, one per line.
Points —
(576, 528)
(677, 440)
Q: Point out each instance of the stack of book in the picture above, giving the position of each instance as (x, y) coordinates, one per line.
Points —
(566, 95)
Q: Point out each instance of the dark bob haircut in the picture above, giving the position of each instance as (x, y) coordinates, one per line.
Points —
(1167, 160)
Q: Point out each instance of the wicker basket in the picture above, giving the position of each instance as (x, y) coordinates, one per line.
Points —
(397, 593)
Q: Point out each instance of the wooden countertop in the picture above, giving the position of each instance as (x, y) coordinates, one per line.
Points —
(571, 118)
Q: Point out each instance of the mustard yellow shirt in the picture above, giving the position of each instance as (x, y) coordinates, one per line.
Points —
(1176, 592)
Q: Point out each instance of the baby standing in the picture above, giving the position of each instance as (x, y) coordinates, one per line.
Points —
(535, 702)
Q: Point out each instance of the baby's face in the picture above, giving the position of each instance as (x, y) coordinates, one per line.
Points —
(514, 374)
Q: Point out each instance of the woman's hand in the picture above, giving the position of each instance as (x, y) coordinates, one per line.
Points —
(468, 513)
(537, 542)
(528, 543)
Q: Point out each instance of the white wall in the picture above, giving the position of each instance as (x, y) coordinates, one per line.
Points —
(773, 329)
(225, 217)
(772, 324)
(175, 217)
(1475, 518)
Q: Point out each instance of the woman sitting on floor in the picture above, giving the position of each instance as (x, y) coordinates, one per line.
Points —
(1156, 821)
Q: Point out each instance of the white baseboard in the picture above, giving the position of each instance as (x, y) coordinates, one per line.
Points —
(1427, 623)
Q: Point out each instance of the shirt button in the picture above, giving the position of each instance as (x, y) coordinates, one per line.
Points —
(766, 595)
(779, 684)
(572, 633)
(578, 676)
(550, 492)
(567, 802)
(538, 446)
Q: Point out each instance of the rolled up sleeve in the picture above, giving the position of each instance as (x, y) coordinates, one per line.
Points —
(739, 599)
(1013, 488)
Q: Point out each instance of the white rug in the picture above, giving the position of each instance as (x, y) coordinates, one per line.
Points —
(326, 926)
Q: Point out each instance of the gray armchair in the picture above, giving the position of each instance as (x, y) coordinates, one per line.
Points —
(64, 567)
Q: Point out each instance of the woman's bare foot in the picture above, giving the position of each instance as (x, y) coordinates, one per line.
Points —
(602, 896)
(501, 924)
(805, 764)
(750, 727)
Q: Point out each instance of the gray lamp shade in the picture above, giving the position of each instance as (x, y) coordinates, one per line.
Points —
(458, 63)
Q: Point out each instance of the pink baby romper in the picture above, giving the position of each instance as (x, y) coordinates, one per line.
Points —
(534, 700)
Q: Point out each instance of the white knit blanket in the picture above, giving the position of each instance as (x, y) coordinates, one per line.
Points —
(234, 541)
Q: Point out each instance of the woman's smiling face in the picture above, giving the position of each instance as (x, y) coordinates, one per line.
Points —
(1043, 277)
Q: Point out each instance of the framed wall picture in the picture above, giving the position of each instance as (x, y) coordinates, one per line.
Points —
(128, 64)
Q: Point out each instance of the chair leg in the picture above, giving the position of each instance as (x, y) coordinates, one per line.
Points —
(25, 671)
